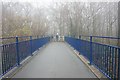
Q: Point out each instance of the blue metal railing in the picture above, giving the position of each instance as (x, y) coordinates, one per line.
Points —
(104, 57)
(14, 53)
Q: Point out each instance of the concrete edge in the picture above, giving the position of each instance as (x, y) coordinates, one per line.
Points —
(16, 69)
(93, 69)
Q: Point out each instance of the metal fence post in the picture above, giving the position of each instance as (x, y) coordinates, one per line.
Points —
(79, 43)
(90, 50)
(17, 49)
(31, 45)
(79, 36)
(1, 60)
(118, 64)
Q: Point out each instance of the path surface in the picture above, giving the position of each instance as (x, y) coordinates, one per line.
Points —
(55, 61)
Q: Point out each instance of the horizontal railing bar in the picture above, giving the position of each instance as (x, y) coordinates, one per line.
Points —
(19, 42)
(7, 38)
(106, 45)
(106, 37)
(102, 44)
(15, 37)
(101, 37)
(20, 37)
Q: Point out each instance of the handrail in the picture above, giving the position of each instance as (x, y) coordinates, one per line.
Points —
(105, 58)
(14, 53)
(111, 37)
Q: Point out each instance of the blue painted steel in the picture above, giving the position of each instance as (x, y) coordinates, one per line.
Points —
(104, 57)
(0, 61)
(118, 64)
(24, 50)
(110, 37)
(31, 45)
(14, 53)
(90, 50)
(17, 49)
(9, 57)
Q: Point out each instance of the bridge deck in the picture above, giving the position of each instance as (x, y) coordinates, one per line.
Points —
(55, 61)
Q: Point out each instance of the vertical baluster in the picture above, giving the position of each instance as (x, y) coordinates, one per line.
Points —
(17, 49)
(31, 45)
(118, 63)
(90, 50)
(112, 56)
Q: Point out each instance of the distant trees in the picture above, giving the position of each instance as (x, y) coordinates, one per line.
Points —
(68, 18)
(22, 19)
(91, 18)
(88, 18)
(0, 20)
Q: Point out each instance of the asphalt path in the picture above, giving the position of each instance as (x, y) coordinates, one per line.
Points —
(56, 60)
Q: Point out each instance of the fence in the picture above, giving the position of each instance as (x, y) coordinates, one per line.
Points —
(104, 57)
(14, 53)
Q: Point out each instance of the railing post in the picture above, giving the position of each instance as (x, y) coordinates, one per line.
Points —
(17, 49)
(90, 50)
(1, 48)
(31, 45)
(79, 36)
(79, 43)
(118, 64)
